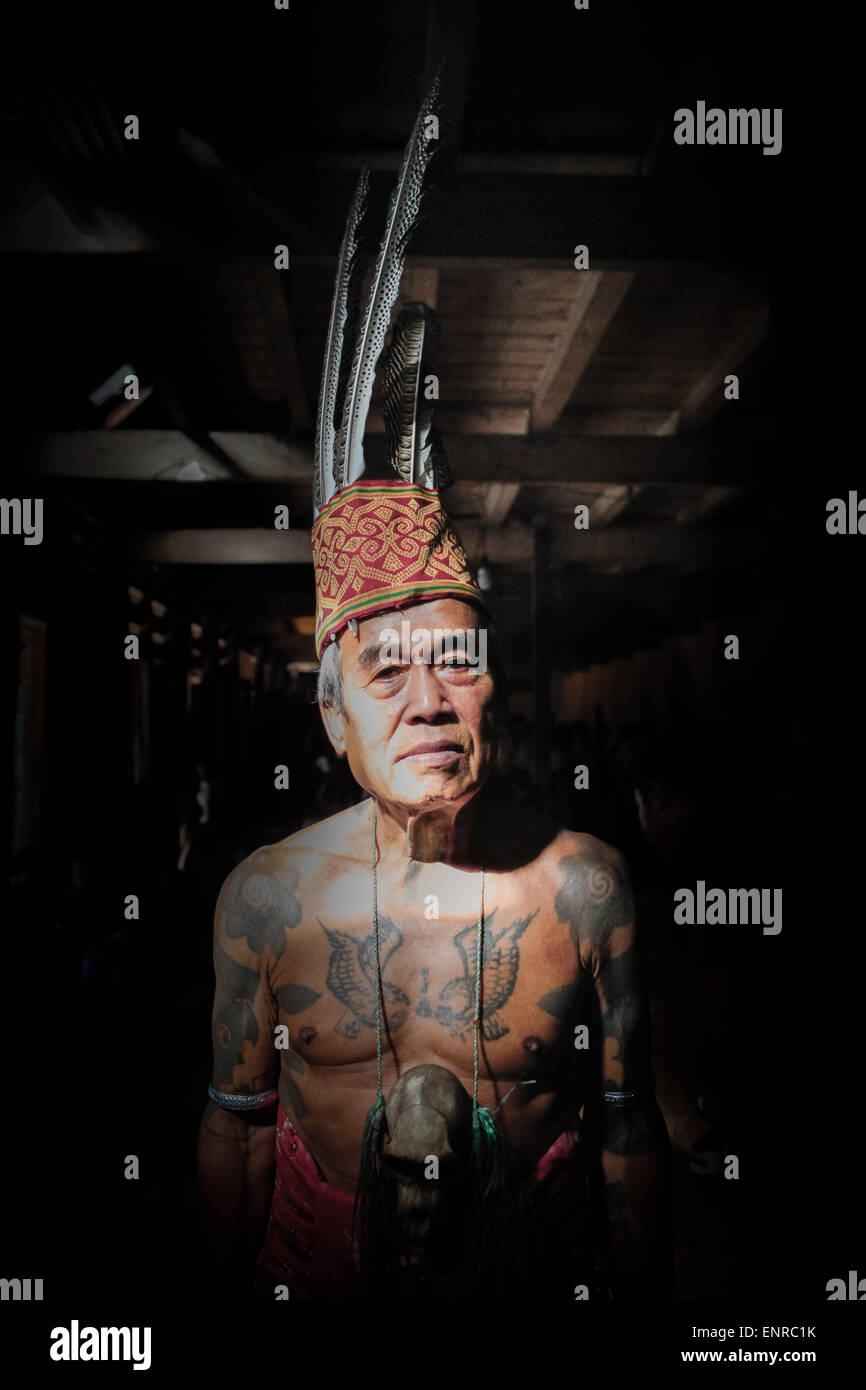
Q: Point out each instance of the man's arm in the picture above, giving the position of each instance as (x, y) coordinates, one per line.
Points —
(235, 1154)
(635, 1149)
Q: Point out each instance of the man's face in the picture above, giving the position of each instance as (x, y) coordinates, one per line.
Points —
(418, 733)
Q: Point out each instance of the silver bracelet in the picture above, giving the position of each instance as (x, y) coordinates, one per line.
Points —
(626, 1097)
(230, 1102)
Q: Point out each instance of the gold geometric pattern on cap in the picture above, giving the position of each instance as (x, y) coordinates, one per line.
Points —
(379, 544)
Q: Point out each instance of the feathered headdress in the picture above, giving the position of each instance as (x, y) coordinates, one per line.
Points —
(384, 544)
(380, 544)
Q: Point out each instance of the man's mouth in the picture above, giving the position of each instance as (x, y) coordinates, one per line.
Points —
(437, 754)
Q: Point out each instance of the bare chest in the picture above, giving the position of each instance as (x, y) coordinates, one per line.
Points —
(429, 949)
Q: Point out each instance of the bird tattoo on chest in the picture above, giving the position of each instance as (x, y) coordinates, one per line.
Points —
(351, 978)
(499, 969)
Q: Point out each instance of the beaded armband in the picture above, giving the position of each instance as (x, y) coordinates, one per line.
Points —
(625, 1098)
(230, 1102)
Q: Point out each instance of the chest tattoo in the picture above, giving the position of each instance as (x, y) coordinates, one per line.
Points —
(424, 1009)
(352, 978)
(499, 969)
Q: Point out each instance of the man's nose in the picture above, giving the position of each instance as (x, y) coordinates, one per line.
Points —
(427, 697)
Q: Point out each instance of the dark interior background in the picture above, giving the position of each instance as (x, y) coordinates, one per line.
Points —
(707, 518)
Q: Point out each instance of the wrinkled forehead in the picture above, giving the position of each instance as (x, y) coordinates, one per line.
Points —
(439, 615)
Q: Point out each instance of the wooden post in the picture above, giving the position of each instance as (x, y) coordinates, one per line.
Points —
(541, 715)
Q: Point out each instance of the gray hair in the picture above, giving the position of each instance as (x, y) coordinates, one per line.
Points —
(329, 682)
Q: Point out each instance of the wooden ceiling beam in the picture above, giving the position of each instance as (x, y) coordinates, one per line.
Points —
(707, 397)
(419, 282)
(533, 460)
(469, 420)
(710, 503)
(513, 265)
(617, 420)
(498, 500)
(287, 363)
(509, 546)
(629, 548)
(562, 459)
(610, 502)
(597, 296)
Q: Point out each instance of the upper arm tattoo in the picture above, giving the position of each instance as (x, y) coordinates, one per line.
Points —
(259, 906)
(244, 1014)
(234, 1020)
(252, 913)
(596, 902)
(593, 899)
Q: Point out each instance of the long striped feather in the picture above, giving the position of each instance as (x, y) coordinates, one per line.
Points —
(384, 288)
(414, 448)
(327, 470)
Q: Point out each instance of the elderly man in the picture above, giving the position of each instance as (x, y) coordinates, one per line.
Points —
(431, 1042)
(293, 946)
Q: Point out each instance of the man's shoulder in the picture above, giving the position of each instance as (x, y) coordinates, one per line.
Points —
(265, 895)
(591, 888)
(344, 836)
(569, 847)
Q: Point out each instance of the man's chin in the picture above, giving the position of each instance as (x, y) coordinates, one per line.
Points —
(427, 792)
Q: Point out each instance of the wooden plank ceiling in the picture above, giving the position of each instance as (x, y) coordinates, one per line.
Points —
(558, 387)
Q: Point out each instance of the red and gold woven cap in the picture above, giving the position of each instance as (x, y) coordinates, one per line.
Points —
(381, 544)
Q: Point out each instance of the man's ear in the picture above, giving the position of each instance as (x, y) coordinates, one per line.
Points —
(334, 728)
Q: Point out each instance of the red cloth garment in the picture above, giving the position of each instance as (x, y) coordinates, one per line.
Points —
(308, 1246)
